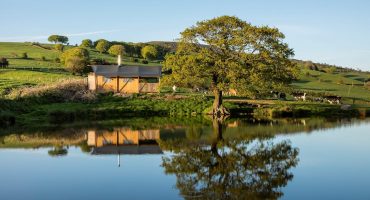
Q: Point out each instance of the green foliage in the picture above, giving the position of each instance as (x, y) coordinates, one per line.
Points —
(59, 47)
(144, 62)
(117, 50)
(87, 43)
(102, 46)
(149, 52)
(76, 65)
(76, 60)
(58, 39)
(75, 52)
(229, 54)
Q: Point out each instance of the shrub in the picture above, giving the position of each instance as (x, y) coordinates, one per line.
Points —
(76, 64)
(59, 47)
(57, 60)
(24, 55)
(144, 62)
(75, 52)
(43, 58)
(4, 62)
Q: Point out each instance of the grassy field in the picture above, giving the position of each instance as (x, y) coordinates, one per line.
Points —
(11, 79)
(13, 51)
(344, 84)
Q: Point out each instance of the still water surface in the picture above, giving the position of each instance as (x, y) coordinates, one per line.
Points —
(160, 158)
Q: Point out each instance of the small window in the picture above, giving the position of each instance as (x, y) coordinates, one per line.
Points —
(149, 80)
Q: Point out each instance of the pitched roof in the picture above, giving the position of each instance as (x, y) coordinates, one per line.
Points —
(127, 71)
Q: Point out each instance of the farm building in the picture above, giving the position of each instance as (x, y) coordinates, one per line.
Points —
(125, 79)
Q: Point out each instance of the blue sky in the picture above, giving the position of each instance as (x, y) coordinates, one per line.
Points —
(335, 32)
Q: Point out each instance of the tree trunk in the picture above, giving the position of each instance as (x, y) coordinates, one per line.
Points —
(218, 109)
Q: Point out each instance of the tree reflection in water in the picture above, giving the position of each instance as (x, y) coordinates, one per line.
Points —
(232, 168)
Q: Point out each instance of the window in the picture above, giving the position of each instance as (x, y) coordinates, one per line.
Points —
(149, 80)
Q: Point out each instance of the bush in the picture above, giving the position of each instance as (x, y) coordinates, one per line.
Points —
(144, 62)
(75, 52)
(59, 47)
(57, 60)
(43, 58)
(76, 65)
(4, 62)
(24, 55)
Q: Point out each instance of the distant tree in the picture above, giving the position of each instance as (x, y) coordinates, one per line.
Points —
(59, 47)
(76, 65)
(76, 51)
(117, 50)
(103, 46)
(232, 54)
(87, 43)
(75, 60)
(149, 52)
(97, 41)
(58, 39)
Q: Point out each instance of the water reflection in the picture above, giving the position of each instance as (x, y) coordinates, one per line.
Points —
(231, 159)
(230, 168)
(123, 141)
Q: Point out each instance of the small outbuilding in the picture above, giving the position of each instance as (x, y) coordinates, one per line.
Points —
(125, 79)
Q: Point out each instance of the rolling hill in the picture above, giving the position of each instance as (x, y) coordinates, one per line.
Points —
(313, 78)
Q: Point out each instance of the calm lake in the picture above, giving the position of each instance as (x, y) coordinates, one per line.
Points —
(191, 158)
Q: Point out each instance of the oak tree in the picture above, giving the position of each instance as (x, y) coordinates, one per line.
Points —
(230, 53)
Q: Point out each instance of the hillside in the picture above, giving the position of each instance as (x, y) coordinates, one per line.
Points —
(313, 78)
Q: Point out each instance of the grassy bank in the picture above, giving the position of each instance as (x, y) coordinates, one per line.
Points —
(34, 112)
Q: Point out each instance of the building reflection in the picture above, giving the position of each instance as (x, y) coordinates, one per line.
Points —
(124, 141)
